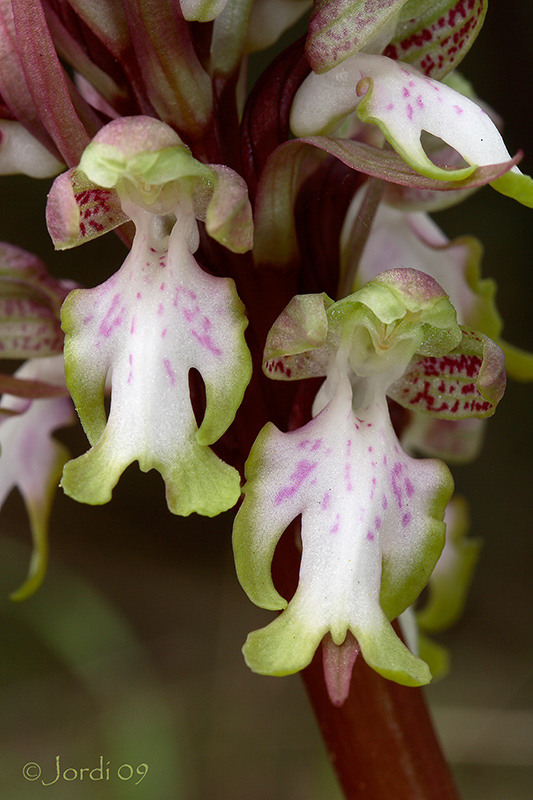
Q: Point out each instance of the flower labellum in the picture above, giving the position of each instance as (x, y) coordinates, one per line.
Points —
(371, 516)
(156, 319)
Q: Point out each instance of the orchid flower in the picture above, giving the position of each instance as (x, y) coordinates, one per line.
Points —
(156, 319)
(372, 516)
(35, 399)
(30, 458)
(403, 102)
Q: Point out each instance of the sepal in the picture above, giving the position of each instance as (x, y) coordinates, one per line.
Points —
(35, 471)
(78, 210)
(452, 576)
(23, 154)
(467, 382)
(30, 299)
(435, 37)
(202, 10)
(338, 30)
(400, 312)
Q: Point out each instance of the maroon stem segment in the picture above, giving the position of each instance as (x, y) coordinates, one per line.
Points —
(381, 741)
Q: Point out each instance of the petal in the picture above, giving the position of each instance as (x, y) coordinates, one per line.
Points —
(357, 492)
(398, 313)
(142, 160)
(403, 103)
(148, 325)
(32, 460)
(452, 576)
(23, 154)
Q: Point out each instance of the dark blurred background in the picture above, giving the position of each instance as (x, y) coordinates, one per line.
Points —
(130, 652)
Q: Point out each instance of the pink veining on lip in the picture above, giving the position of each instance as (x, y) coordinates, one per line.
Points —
(347, 477)
(302, 471)
(170, 372)
(113, 318)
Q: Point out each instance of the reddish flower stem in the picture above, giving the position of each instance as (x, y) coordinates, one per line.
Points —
(381, 741)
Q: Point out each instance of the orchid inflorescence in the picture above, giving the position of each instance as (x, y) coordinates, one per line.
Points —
(240, 328)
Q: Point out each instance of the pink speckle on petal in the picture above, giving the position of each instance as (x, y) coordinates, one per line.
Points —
(347, 477)
(458, 109)
(334, 528)
(113, 317)
(206, 341)
(395, 474)
(325, 501)
(406, 92)
(409, 111)
(406, 519)
(302, 471)
(170, 372)
(370, 536)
